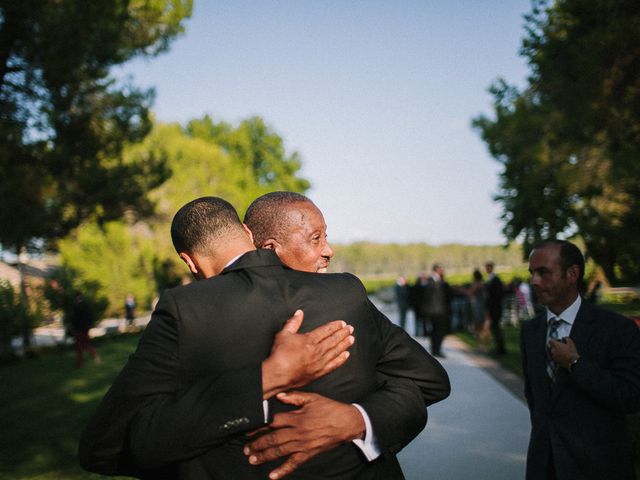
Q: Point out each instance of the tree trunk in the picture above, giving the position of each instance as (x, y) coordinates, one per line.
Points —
(25, 324)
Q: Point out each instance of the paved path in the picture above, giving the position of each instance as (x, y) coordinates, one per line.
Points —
(480, 432)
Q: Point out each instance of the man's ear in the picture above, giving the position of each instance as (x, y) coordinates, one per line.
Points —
(270, 244)
(246, 229)
(191, 262)
(572, 273)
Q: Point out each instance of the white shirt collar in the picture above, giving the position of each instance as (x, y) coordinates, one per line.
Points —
(569, 315)
(233, 260)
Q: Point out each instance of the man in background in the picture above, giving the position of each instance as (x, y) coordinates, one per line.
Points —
(437, 308)
(581, 367)
(494, 295)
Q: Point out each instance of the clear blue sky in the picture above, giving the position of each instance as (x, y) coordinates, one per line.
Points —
(376, 96)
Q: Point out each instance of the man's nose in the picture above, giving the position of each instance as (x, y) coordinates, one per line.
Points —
(327, 251)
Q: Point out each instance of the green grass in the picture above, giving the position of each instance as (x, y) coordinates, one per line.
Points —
(46, 402)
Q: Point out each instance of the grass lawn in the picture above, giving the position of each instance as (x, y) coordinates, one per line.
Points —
(46, 402)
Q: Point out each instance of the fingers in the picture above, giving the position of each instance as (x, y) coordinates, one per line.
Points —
(293, 324)
(323, 332)
(296, 398)
(292, 463)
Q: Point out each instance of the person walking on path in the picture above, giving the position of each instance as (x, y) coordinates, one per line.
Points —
(494, 295)
(581, 367)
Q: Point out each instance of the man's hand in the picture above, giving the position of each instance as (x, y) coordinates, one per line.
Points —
(320, 424)
(563, 352)
(299, 358)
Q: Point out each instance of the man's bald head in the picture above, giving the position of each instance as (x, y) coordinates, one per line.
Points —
(293, 226)
(266, 217)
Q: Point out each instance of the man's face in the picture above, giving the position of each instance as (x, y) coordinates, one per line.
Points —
(555, 288)
(304, 246)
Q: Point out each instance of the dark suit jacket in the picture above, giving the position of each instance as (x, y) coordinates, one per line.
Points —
(194, 383)
(494, 294)
(578, 422)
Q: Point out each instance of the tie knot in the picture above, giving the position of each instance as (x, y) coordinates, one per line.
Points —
(554, 324)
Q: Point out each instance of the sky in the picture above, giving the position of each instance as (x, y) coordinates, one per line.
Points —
(377, 97)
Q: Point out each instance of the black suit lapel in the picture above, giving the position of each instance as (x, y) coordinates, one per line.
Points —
(538, 354)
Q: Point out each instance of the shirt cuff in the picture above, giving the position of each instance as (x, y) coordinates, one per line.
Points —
(265, 409)
(368, 446)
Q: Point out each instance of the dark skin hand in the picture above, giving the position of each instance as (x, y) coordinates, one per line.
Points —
(297, 359)
(563, 352)
(320, 424)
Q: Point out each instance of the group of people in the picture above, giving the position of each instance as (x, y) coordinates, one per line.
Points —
(265, 369)
(430, 298)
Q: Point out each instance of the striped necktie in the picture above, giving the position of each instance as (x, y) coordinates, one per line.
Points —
(552, 367)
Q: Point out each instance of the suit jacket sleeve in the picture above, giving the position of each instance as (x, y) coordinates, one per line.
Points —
(409, 380)
(523, 354)
(148, 419)
(616, 383)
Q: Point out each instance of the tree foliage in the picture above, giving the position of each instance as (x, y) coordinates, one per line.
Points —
(569, 141)
(111, 259)
(390, 260)
(65, 119)
(205, 158)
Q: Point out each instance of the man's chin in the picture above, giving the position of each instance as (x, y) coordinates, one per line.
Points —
(322, 270)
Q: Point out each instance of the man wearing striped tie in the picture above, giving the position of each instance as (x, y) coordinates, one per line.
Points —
(581, 366)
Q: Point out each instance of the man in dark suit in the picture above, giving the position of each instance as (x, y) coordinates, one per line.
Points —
(403, 295)
(437, 308)
(493, 302)
(417, 296)
(202, 332)
(581, 367)
(292, 225)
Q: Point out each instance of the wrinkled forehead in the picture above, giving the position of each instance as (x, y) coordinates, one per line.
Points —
(306, 216)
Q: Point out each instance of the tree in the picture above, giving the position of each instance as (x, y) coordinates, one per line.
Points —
(570, 140)
(137, 256)
(66, 120)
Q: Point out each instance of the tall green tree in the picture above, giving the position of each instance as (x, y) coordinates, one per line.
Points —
(65, 119)
(569, 142)
(137, 256)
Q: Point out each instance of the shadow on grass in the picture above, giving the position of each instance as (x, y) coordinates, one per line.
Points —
(46, 402)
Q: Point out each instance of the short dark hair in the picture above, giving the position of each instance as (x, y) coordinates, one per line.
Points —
(265, 217)
(201, 221)
(570, 255)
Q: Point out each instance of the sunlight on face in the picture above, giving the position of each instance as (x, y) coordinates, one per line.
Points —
(304, 245)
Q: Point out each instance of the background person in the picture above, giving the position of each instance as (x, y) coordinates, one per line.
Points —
(494, 296)
(581, 367)
(402, 293)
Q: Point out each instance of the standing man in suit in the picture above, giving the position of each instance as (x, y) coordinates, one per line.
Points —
(418, 294)
(494, 295)
(437, 308)
(402, 293)
(203, 331)
(581, 367)
(292, 225)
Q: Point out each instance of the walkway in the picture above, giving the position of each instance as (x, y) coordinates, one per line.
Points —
(480, 432)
